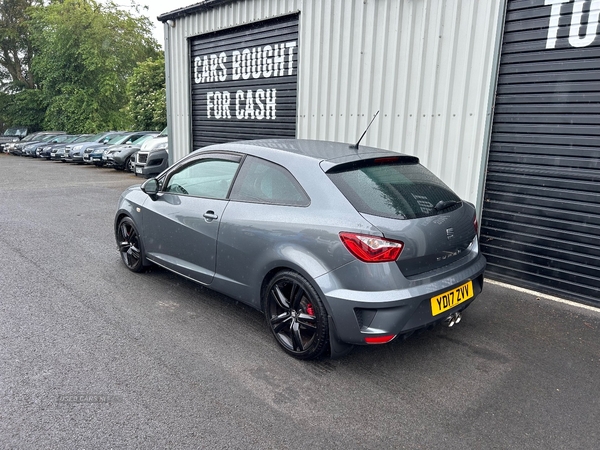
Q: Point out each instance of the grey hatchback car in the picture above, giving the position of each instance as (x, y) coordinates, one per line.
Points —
(337, 245)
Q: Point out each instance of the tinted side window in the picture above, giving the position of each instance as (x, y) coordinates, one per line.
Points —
(260, 181)
(398, 191)
(204, 178)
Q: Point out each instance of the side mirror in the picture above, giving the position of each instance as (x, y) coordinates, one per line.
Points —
(150, 187)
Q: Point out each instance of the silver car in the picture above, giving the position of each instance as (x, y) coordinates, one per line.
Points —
(337, 245)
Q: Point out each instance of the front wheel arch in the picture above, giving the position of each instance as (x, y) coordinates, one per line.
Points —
(118, 219)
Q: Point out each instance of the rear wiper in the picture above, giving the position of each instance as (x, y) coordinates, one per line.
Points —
(441, 205)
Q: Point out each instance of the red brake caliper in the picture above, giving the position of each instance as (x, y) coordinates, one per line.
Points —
(310, 310)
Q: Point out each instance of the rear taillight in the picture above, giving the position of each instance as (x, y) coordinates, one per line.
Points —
(384, 339)
(371, 249)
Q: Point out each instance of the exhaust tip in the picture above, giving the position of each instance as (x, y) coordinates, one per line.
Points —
(452, 320)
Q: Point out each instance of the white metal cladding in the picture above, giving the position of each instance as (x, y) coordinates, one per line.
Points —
(428, 66)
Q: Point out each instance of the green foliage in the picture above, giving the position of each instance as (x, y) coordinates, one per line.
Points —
(87, 52)
(5, 120)
(16, 46)
(147, 107)
(66, 65)
(24, 108)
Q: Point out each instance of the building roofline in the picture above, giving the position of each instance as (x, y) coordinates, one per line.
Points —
(203, 5)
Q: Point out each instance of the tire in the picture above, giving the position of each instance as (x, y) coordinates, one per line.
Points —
(296, 316)
(129, 165)
(130, 245)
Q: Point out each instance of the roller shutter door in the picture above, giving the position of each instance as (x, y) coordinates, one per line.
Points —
(541, 214)
(244, 82)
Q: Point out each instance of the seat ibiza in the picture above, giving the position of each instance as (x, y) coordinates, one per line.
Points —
(337, 245)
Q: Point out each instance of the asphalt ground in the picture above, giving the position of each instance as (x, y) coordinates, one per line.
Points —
(94, 356)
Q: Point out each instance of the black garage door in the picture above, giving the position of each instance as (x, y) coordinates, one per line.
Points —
(244, 82)
(541, 214)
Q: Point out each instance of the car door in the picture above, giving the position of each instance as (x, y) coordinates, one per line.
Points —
(181, 223)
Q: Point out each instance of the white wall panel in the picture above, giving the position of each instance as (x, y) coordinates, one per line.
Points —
(427, 65)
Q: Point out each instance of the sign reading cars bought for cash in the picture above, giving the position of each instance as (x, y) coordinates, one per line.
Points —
(244, 82)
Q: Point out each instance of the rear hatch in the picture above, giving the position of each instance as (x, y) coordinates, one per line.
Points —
(408, 203)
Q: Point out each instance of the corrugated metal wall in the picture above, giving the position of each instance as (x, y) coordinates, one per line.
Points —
(428, 66)
(541, 216)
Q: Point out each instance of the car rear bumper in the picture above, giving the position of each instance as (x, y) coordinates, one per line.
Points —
(364, 314)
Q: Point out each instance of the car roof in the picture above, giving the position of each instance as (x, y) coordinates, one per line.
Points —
(328, 154)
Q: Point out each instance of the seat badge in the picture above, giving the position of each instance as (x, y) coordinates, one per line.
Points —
(449, 233)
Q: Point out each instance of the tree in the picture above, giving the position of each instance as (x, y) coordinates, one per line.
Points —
(16, 46)
(25, 108)
(86, 53)
(146, 91)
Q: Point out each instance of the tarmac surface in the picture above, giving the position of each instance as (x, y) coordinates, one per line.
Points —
(94, 356)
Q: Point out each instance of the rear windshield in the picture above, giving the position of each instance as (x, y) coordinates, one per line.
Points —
(394, 190)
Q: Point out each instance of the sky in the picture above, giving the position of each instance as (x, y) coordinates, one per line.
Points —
(158, 7)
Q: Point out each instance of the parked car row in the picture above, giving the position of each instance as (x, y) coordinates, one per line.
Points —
(116, 149)
(12, 134)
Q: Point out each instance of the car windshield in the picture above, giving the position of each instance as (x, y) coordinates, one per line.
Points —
(84, 138)
(30, 137)
(15, 132)
(70, 138)
(164, 132)
(48, 137)
(141, 140)
(394, 190)
(62, 138)
(94, 138)
(119, 139)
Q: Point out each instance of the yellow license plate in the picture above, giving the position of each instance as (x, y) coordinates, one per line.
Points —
(450, 299)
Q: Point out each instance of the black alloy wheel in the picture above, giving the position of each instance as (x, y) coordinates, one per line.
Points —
(296, 316)
(130, 245)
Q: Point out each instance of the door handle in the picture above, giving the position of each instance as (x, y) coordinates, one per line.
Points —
(209, 216)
